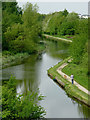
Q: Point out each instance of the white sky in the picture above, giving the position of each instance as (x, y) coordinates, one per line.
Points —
(58, 5)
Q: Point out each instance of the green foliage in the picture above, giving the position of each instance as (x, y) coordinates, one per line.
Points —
(70, 89)
(22, 36)
(20, 106)
(9, 58)
(31, 24)
(80, 71)
(17, 46)
(13, 33)
(6, 53)
(70, 24)
(68, 28)
(78, 47)
(82, 26)
(55, 22)
(72, 16)
(10, 14)
(65, 12)
(61, 23)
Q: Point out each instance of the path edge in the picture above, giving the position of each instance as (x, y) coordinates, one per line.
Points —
(75, 93)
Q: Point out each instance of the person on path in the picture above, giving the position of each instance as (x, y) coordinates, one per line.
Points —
(72, 78)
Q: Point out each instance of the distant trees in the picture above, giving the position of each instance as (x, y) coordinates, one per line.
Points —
(69, 26)
(54, 23)
(79, 46)
(64, 23)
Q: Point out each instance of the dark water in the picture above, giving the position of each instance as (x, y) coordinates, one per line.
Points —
(33, 74)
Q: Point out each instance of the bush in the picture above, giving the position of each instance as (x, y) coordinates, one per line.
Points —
(78, 47)
(23, 106)
(16, 46)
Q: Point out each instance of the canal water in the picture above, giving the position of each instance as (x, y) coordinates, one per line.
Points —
(32, 74)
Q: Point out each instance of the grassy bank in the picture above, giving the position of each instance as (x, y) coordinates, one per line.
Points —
(66, 38)
(9, 60)
(80, 71)
(70, 89)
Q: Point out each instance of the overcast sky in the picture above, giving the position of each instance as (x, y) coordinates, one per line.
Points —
(49, 7)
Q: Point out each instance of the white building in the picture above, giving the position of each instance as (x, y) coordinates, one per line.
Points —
(85, 16)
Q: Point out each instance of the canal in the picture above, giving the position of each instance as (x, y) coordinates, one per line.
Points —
(32, 74)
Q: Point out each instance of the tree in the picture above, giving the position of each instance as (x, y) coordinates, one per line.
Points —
(11, 14)
(20, 106)
(65, 12)
(21, 36)
(54, 23)
(31, 27)
(69, 26)
(78, 47)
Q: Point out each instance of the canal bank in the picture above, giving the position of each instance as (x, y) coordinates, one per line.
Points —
(32, 74)
(55, 38)
(9, 59)
(71, 90)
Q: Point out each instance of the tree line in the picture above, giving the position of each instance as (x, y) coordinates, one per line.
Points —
(69, 25)
(21, 28)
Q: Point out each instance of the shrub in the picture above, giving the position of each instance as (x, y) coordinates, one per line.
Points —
(23, 106)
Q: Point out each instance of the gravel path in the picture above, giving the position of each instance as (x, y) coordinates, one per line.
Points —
(59, 70)
(56, 38)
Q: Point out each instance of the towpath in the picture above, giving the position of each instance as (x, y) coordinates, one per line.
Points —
(56, 38)
(59, 70)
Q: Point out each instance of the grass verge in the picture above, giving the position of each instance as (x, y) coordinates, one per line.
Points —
(9, 60)
(70, 89)
(67, 37)
(80, 72)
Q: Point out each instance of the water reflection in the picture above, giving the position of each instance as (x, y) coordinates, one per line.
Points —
(32, 75)
(85, 110)
(31, 81)
(58, 49)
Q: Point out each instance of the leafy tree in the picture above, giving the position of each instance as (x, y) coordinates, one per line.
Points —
(13, 33)
(82, 26)
(32, 28)
(54, 23)
(21, 36)
(20, 106)
(72, 16)
(11, 14)
(78, 47)
(65, 12)
(70, 24)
